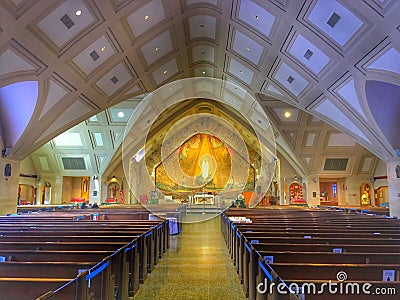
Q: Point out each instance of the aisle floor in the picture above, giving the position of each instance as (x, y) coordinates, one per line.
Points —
(197, 266)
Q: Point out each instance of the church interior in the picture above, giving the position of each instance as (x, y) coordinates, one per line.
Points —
(199, 149)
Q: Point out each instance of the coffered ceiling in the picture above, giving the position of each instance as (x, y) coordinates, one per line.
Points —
(335, 65)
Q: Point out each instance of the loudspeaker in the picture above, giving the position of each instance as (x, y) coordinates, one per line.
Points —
(5, 152)
(7, 170)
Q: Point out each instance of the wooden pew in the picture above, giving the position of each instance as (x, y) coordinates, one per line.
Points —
(279, 235)
(80, 234)
(30, 288)
(310, 271)
(315, 289)
(73, 245)
(54, 255)
(330, 257)
(51, 263)
(40, 269)
(67, 255)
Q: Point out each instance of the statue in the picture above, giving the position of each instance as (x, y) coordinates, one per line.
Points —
(204, 169)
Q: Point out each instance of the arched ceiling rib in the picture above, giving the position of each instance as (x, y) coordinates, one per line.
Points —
(305, 53)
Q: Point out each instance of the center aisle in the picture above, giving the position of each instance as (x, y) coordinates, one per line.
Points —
(197, 266)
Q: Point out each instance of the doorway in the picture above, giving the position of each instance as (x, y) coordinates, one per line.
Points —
(43, 193)
(381, 196)
(26, 194)
(328, 192)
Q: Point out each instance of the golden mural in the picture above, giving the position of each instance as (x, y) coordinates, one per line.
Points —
(199, 157)
(205, 164)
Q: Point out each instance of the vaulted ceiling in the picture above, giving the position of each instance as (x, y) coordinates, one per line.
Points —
(330, 63)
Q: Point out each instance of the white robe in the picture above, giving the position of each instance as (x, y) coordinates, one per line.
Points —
(204, 169)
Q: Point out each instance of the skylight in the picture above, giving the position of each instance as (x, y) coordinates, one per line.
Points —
(72, 139)
(98, 138)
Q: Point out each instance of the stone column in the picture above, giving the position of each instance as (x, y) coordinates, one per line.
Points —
(9, 186)
(94, 190)
(393, 177)
(313, 192)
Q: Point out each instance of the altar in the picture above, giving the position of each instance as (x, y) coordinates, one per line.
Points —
(204, 199)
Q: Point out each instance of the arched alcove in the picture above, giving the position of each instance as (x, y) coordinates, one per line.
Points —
(43, 193)
(365, 194)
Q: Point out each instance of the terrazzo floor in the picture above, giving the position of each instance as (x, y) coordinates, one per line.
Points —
(197, 266)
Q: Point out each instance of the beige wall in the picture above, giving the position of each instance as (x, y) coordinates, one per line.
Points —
(353, 184)
(28, 168)
(67, 190)
(76, 191)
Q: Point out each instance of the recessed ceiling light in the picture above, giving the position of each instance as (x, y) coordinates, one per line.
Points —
(287, 114)
(120, 114)
(241, 72)
(78, 12)
(157, 48)
(165, 72)
(256, 17)
(247, 48)
(204, 72)
(146, 17)
(103, 49)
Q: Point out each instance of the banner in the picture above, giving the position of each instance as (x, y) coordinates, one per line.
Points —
(121, 194)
